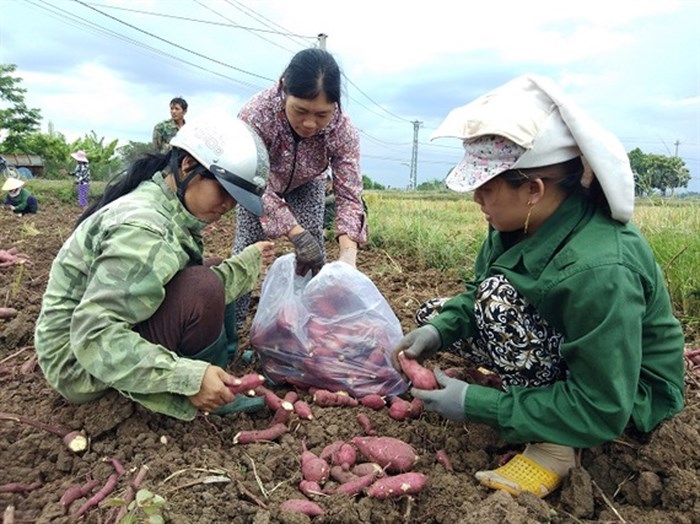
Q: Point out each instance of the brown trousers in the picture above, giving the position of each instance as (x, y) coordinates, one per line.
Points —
(191, 316)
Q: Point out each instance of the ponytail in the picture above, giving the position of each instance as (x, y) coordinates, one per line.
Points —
(143, 168)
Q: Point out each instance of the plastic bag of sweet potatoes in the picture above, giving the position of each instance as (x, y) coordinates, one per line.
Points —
(334, 331)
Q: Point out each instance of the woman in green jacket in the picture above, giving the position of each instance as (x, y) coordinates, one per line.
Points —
(18, 199)
(130, 304)
(567, 305)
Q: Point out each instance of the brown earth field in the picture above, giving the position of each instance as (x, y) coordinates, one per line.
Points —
(204, 478)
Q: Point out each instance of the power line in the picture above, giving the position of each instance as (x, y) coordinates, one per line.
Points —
(245, 28)
(80, 22)
(263, 20)
(198, 20)
(183, 48)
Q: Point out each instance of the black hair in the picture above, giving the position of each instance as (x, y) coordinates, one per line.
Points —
(143, 168)
(311, 72)
(180, 101)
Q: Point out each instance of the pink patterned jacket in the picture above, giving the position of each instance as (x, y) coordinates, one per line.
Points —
(294, 163)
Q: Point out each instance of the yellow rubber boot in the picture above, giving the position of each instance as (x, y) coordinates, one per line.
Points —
(539, 469)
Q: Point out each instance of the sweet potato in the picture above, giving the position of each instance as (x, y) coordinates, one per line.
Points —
(281, 416)
(399, 409)
(303, 410)
(272, 400)
(313, 468)
(354, 487)
(303, 506)
(309, 487)
(373, 401)
(247, 383)
(397, 485)
(442, 458)
(420, 377)
(291, 396)
(416, 408)
(331, 449)
(346, 456)
(272, 433)
(390, 453)
(366, 424)
(365, 468)
(325, 398)
(340, 475)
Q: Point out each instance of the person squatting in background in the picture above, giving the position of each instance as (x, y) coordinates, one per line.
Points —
(82, 177)
(567, 305)
(19, 199)
(130, 304)
(164, 131)
(306, 133)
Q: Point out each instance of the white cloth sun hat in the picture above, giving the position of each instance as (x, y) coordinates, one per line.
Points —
(80, 156)
(527, 123)
(11, 184)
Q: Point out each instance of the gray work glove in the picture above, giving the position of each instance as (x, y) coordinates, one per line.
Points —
(420, 343)
(448, 401)
(308, 253)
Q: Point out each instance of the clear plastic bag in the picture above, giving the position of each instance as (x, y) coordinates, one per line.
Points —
(334, 331)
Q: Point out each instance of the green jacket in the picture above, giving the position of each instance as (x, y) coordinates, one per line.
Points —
(24, 202)
(597, 283)
(109, 276)
(162, 133)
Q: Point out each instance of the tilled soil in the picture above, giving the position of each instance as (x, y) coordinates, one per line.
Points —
(205, 478)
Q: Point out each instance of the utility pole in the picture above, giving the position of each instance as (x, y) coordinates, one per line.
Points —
(676, 143)
(414, 156)
(322, 40)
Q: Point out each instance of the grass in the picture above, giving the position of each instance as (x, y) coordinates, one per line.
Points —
(445, 231)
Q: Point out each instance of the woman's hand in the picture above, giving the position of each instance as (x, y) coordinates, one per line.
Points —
(267, 250)
(214, 391)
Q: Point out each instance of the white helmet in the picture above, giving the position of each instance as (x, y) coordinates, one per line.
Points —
(234, 153)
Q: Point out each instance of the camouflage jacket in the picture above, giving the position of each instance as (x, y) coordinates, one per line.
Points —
(109, 276)
(162, 133)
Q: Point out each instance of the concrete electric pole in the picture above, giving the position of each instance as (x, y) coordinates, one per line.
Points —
(414, 156)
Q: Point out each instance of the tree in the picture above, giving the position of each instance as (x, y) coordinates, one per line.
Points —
(103, 162)
(17, 120)
(657, 172)
(433, 185)
(131, 151)
(368, 183)
(54, 149)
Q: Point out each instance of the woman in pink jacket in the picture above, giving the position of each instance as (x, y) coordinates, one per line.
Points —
(308, 137)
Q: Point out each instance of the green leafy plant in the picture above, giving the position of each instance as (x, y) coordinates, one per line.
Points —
(146, 508)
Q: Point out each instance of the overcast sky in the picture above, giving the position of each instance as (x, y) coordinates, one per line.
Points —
(112, 66)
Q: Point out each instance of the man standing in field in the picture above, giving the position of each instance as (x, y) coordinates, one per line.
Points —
(165, 130)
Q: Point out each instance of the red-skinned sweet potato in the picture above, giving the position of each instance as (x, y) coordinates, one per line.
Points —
(420, 377)
(354, 487)
(373, 401)
(271, 433)
(398, 485)
(366, 424)
(247, 383)
(442, 458)
(390, 453)
(303, 506)
(313, 468)
(303, 410)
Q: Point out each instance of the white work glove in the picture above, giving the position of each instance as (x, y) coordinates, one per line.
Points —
(348, 255)
(447, 401)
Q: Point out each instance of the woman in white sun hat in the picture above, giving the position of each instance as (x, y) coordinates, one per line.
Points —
(82, 177)
(19, 199)
(567, 305)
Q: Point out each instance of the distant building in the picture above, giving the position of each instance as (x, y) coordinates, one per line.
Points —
(33, 164)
